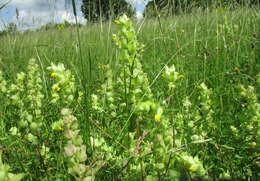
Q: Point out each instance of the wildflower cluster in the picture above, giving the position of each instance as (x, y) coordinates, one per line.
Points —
(178, 132)
(26, 95)
(252, 115)
(74, 149)
(201, 125)
(191, 164)
(245, 132)
(14, 96)
(106, 96)
(171, 76)
(127, 91)
(133, 136)
(131, 78)
(34, 96)
(16, 90)
(127, 96)
(204, 117)
(63, 89)
(197, 123)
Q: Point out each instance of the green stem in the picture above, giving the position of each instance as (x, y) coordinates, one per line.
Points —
(138, 132)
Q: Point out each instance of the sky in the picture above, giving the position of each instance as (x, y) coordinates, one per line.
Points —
(35, 13)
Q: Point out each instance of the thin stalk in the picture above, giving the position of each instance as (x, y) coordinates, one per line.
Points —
(100, 17)
(138, 132)
(79, 42)
(43, 73)
(173, 138)
(125, 89)
(160, 24)
(126, 102)
(88, 93)
(84, 81)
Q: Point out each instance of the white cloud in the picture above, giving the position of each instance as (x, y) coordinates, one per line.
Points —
(139, 7)
(139, 15)
(35, 13)
(138, 2)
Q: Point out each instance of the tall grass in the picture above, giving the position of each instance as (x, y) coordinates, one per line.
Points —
(219, 48)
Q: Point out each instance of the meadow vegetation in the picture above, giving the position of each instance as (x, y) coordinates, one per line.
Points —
(172, 98)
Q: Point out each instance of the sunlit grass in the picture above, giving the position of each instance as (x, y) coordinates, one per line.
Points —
(214, 51)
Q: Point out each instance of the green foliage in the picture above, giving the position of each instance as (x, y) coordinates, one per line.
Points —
(11, 28)
(151, 116)
(95, 10)
(5, 175)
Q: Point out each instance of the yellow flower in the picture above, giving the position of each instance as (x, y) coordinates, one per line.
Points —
(55, 87)
(54, 75)
(117, 22)
(193, 168)
(157, 117)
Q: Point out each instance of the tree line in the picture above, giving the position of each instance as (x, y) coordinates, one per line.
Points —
(171, 7)
(95, 10)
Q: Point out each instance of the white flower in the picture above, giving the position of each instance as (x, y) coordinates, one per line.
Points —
(56, 68)
(70, 150)
(65, 112)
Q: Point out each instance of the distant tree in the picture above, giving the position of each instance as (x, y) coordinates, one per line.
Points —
(93, 10)
(47, 26)
(153, 6)
(2, 33)
(170, 7)
(166, 7)
(11, 28)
